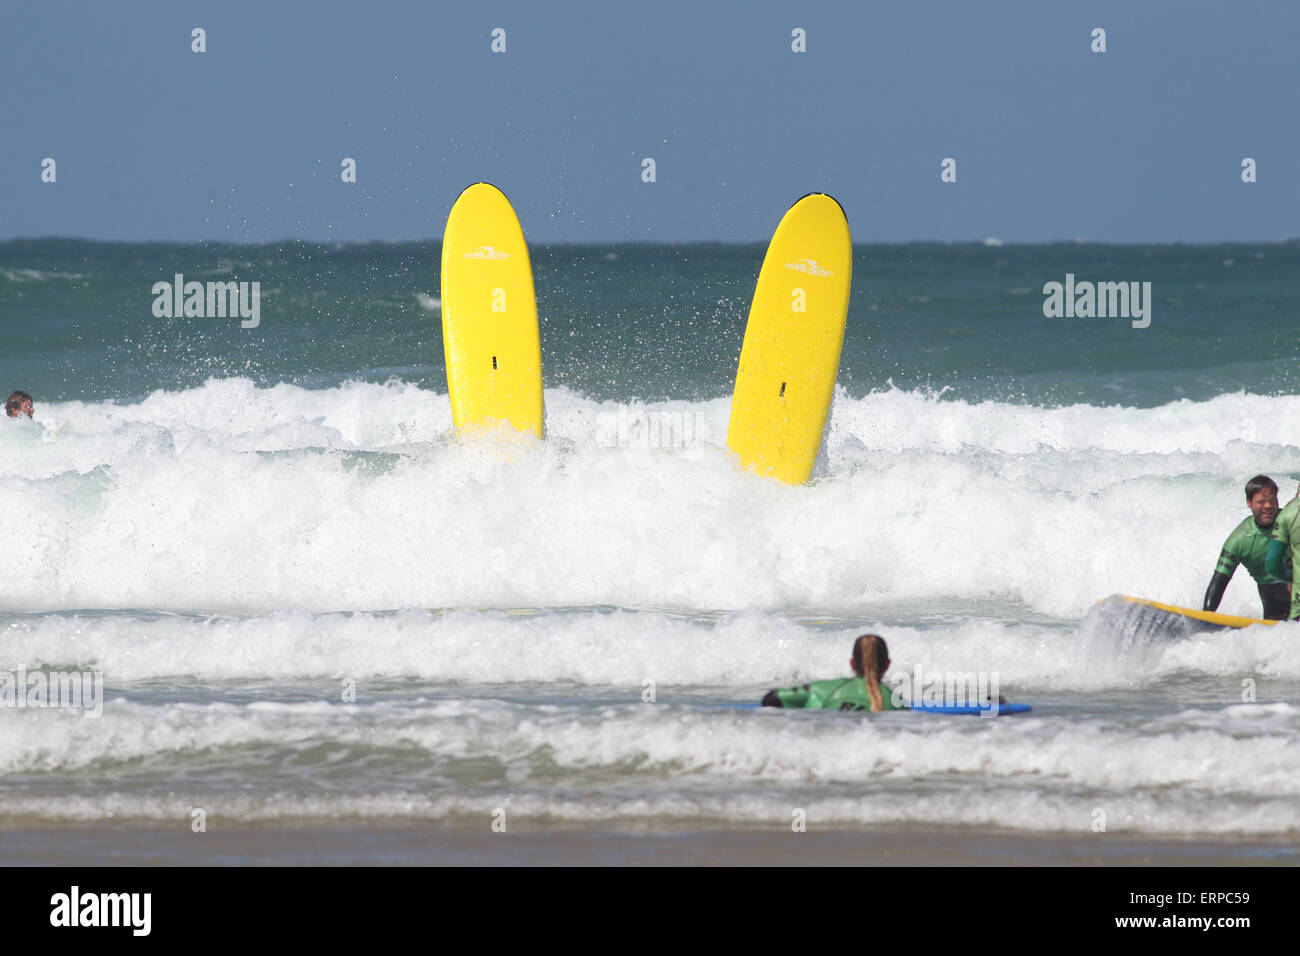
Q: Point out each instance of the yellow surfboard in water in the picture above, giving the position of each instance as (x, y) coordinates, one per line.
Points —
(791, 353)
(1207, 617)
(489, 315)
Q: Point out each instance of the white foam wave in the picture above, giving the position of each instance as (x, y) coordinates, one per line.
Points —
(657, 761)
(359, 497)
(1141, 813)
(38, 275)
(618, 651)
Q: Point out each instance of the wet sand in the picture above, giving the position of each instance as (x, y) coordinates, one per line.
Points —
(537, 845)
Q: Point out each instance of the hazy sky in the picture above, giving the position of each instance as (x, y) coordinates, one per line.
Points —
(1052, 141)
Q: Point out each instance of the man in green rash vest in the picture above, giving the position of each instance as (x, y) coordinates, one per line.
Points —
(1249, 545)
(870, 660)
(1283, 547)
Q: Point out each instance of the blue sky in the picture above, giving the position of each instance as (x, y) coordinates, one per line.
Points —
(1052, 141)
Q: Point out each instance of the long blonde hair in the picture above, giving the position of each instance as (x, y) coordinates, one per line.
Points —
(870, 659)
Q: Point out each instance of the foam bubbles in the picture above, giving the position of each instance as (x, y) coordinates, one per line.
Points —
(233, 498)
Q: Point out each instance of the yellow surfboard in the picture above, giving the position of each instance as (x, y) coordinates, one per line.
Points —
(791, 353)
(489, 315)
(1209, 617)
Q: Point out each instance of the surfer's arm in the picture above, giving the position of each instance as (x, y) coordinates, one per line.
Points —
(1214, 593)
(787, 697)
(1223, 571)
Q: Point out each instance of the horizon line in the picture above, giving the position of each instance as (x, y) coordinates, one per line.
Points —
(990, 242)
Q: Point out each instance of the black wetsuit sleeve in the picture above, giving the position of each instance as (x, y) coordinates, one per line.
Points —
(1214, 593)
(772, 699)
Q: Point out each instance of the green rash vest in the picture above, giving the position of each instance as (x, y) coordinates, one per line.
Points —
(1248, 546)
(1286, 534)
(843, 693)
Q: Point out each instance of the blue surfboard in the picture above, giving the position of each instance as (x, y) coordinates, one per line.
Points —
(923, 708)
(944, 709)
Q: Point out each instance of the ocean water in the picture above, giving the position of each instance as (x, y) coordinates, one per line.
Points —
(312, 603)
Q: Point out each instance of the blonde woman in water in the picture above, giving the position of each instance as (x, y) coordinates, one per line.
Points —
(861, 692)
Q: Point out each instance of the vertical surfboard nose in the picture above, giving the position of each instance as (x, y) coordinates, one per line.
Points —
(489, 315)
(794, 337)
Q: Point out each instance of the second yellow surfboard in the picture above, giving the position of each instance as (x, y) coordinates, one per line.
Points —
(791, 353)
(489, 315)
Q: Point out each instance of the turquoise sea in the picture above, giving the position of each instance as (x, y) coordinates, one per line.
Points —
(657, 322)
